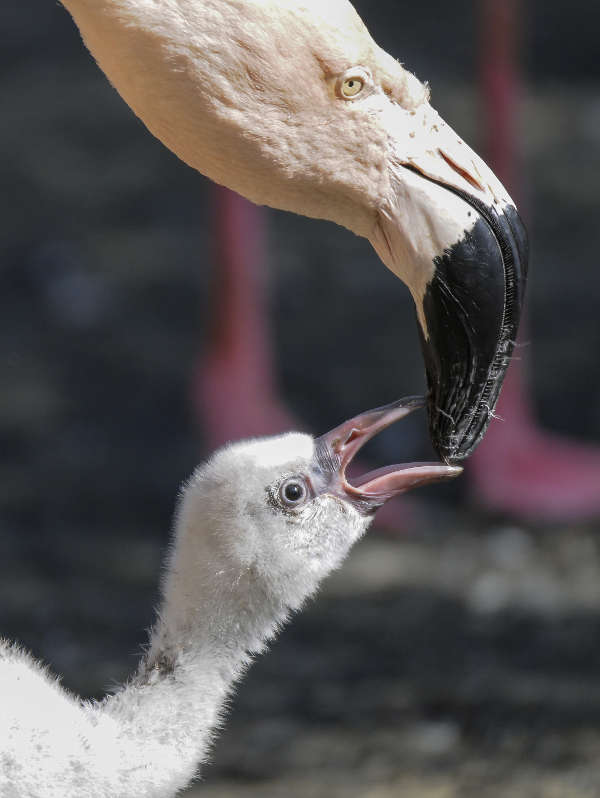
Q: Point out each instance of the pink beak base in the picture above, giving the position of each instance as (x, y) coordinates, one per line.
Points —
(336, 449)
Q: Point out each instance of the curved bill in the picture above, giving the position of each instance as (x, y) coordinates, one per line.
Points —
(453, 234)
(335, 450)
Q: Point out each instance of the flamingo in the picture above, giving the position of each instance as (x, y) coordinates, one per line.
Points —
(291, 104)
(258, 527)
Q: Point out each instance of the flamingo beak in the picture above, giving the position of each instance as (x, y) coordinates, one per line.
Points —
(335, 450)
(452, 233)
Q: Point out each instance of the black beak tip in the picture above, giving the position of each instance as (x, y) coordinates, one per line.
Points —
(453, 443)
(472, 308)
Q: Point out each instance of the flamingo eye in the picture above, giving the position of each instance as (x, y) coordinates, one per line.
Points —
(352, 86)
(352, 83)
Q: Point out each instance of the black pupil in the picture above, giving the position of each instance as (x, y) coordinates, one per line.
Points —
(293, 492)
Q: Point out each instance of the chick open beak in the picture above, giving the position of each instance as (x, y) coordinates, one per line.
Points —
(335, 450)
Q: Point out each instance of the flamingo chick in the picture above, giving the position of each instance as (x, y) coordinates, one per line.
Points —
(257, 528)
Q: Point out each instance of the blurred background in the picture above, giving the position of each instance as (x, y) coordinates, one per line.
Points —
(458, 651)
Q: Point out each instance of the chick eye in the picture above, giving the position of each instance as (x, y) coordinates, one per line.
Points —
(293, 492)
(352, 86)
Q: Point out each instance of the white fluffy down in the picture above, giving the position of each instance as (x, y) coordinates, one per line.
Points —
(239, 564)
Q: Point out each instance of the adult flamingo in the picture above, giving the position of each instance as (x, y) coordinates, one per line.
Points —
(293, 105)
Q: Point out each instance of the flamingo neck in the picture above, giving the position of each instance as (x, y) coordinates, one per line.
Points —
(167, 714)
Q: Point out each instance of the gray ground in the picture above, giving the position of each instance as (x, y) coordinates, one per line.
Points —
(460, 658)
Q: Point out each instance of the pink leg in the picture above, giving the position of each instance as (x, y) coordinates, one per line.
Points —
(519, 468)
(234, 386)
(524, 471)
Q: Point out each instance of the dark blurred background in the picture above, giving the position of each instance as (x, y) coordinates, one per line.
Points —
(457, 655)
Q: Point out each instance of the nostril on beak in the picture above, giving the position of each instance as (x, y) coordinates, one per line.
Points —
(461, 171)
